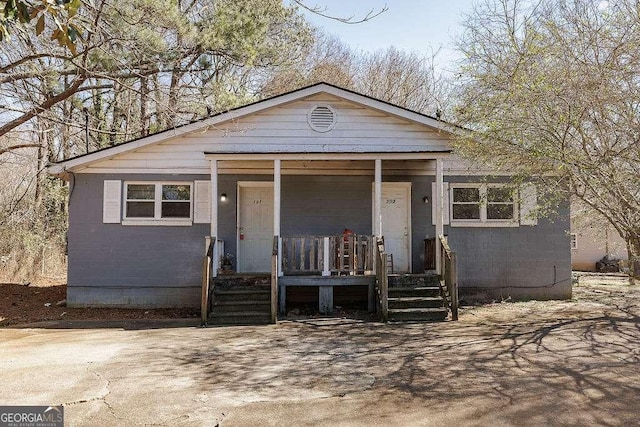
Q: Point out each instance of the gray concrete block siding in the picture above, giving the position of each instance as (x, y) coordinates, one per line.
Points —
(326, 205)
(134, 266)
(526, 262)
(160, 266)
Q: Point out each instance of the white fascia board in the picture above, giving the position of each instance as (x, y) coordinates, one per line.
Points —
(74, 165)
(327, 156)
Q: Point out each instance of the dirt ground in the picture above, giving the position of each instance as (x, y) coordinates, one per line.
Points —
(45, 300)
(533, 363)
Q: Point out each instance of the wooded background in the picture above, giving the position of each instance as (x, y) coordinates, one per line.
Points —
(124, 70)
(548, 89)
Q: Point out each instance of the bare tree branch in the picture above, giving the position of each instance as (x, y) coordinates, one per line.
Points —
(17, 147)
(322, 11)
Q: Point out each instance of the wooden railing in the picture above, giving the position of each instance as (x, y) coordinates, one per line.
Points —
(274, 280)
(207, 283)
(341, 254)
(450, 277)
(382, 280)
(214, 251)
(303, 254)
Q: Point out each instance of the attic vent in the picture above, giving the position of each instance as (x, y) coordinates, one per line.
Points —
(322, 118)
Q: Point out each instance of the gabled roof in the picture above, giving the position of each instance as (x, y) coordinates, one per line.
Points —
(239, 112)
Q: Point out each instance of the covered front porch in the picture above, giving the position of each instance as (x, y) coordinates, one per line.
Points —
(284, 242)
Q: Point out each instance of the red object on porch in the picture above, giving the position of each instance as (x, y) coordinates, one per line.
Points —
(346, 233)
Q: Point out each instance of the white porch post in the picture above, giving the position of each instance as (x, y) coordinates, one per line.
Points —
(377, 203)
(214, 214)
(277, 185)
(438, 199)
(325, 257)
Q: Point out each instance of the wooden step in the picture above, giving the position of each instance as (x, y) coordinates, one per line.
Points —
(241, 295)
(414, 291)
(412, 280)
(244, 280)
(239, 318)
(263, 306)
(416, 302)
(418, 314)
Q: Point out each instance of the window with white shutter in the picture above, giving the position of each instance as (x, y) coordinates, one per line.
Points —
(157, 203)
(483, 205)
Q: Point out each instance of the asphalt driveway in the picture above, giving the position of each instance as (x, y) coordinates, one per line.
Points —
(535, 363)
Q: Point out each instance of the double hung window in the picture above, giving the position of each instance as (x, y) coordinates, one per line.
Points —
(482, 203)
(158, 201)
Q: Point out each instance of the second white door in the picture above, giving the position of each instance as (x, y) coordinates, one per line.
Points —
(396, 224)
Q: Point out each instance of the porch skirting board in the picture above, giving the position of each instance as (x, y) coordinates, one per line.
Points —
(325, 289)
(132, 297)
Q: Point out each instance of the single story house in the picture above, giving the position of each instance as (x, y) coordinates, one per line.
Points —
(315, 162)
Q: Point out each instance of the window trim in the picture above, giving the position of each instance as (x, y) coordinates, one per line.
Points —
(483, 221)
(157, 205)
(452, 187)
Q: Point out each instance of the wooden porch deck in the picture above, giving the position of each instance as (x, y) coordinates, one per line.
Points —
(330, 261)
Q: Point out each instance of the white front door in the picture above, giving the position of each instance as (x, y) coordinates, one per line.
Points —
(396, 223)
(255, 227)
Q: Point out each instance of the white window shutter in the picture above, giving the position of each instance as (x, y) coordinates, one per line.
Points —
(111, 201)
(528, 204)
(202, 202)
(445, 207)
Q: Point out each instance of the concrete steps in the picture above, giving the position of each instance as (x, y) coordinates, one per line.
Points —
(415, 297)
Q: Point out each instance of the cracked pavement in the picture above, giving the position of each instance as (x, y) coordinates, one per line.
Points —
(539, 363)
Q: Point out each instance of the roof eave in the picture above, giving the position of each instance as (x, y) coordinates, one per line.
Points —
(76, 163)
